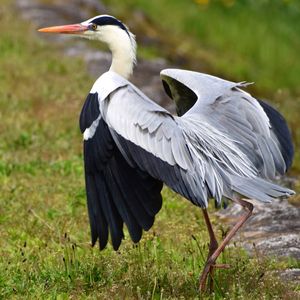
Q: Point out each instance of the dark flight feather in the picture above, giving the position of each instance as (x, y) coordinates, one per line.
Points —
(282, 132)
(117, 193)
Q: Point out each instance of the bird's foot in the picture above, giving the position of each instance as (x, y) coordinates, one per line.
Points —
(209, 269)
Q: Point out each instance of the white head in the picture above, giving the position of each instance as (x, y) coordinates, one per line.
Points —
(111, 31)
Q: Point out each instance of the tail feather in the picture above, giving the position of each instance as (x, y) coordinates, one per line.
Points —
(259, 189)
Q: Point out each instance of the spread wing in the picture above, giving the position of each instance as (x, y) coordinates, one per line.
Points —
(132, 145)
(258, 130)
(116, 192)
(191, 156)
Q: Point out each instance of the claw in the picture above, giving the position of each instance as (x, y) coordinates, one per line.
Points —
(221, 266)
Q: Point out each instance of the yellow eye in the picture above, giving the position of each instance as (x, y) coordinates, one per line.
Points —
(93, 26)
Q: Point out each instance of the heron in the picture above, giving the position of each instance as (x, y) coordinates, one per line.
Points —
(223, 144)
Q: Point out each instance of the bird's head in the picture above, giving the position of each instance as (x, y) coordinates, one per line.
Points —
(97, 28)
(109, 30)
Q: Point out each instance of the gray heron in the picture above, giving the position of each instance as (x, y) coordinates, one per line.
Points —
(223, 144)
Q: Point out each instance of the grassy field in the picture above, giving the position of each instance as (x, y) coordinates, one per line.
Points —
(45, 250)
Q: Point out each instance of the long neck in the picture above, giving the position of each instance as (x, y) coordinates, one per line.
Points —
(122, 60)
(123, 48)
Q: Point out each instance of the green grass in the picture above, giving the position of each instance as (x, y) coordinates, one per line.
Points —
(45, 250)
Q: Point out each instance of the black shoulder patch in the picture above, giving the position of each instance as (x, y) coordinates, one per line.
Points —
(108, 20)
(90, 112)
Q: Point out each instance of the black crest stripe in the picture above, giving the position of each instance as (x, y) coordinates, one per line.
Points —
(107, 20)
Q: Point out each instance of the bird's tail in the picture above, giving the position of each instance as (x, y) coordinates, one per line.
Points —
(259, 189)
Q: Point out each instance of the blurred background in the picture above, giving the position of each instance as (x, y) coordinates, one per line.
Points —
(43, 82)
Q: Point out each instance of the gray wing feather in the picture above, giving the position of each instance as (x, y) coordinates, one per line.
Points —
(147, 125)
(230, 110)
(197, 155)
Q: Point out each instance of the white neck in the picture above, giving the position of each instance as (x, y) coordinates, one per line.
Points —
(123, 48)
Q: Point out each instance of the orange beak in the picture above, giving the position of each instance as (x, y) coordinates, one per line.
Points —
(66, 29)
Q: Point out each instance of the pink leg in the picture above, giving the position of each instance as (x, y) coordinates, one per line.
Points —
(213, 245)
(212, 259)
